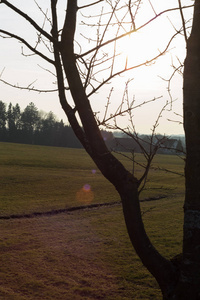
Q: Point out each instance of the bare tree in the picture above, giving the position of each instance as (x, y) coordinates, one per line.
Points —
(83, 72)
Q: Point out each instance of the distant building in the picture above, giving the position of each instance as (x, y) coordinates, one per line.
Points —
(163, 145)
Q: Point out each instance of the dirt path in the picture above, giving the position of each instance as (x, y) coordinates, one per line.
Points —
(79, 255)
(71, 209)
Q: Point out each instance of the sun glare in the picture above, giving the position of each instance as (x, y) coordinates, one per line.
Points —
(146, 43)
(137, 48)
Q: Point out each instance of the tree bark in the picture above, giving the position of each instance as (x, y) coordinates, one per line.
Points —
(189, 285)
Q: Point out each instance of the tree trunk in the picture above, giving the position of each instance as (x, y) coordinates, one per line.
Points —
(178, 281)
(124, 182)
(163, 270)
(189, 285)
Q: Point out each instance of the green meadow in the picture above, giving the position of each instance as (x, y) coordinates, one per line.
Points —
(83, 254)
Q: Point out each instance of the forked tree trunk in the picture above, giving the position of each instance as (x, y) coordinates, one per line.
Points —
(124, 182)
(177, 282)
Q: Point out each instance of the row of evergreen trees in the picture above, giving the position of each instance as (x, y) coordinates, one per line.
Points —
(31, 126)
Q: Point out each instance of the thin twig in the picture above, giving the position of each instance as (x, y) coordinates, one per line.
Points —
(11, 35)
(28, 88)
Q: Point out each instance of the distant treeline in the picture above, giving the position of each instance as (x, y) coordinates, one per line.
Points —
(31, 126)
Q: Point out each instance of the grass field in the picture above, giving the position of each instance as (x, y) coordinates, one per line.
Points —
(84, 254)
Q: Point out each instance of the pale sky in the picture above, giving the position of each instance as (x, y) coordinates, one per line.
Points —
(142, 45)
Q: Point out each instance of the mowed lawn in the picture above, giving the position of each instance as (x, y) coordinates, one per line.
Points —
(84, 254)
(35, 178)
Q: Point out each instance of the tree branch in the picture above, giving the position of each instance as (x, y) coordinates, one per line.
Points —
(11, 35)
(89, 5)
(69, 111)
(183, 20)
(29, 87)
(129, 32)
(30, 20)
(134, 67)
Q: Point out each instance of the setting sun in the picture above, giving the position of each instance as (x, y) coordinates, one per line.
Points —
(140, 47)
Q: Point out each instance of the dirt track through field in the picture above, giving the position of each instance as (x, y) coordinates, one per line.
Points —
(77, 255)
(71, 209)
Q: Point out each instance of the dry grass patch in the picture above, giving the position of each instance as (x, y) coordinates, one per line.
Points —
(82, 255)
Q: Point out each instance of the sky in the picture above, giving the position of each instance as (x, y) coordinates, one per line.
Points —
(146, 83)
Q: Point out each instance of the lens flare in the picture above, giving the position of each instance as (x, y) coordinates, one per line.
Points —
(85, 194)
(86, 187)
